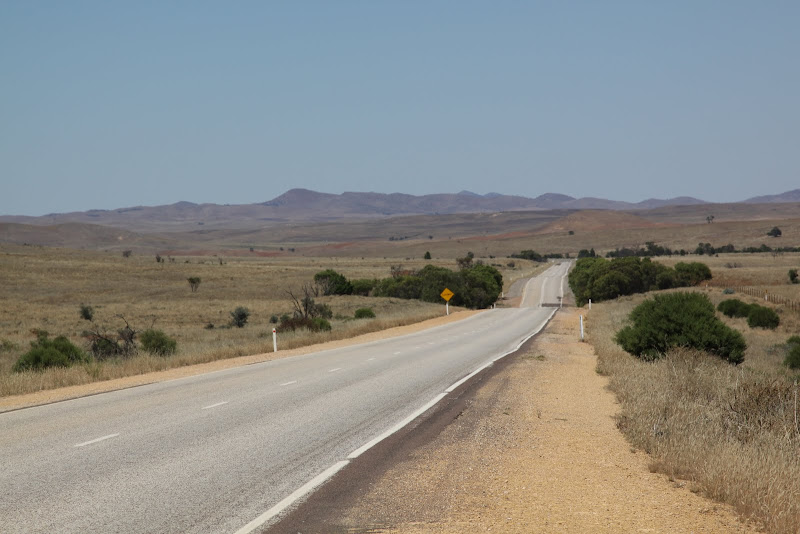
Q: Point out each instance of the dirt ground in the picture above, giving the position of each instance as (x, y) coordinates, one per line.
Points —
(15, 402)
(536, 450)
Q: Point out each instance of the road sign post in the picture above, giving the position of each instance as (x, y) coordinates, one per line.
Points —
(447, 295)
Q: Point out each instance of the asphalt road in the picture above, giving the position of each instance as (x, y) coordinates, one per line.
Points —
(223, 452)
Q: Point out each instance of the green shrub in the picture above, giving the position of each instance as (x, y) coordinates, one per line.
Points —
(321, 325)
(273, 319)
(86, 312)
(427, 256)
(333, 283)
(157, 342)
(762, 317)
(792, 360)
(734, 308)
(45, 353)
(364, 313)
(793, 276)
(728, 291)
(679, 320)
(239, 317)
(363, 286)
(794, 340)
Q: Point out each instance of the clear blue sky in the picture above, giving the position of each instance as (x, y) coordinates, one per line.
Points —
(112, 104)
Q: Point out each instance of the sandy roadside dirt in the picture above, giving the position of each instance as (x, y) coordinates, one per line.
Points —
(54, 395)
(536, 450)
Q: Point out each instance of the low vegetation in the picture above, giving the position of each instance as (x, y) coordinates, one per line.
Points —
(45, 353)
(757, 316)
(679, 320)
(729, 431)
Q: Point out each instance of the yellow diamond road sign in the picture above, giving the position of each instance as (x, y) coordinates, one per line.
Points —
(447, 294)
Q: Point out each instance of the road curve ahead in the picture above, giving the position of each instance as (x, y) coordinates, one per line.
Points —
(226, 451)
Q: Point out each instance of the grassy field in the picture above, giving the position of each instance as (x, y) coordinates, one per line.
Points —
(731, 433)
(43, 288)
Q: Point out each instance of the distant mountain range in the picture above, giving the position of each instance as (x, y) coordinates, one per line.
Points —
(305, 205)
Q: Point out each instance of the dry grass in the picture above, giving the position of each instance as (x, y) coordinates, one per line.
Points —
(43, 288)
(731, 431)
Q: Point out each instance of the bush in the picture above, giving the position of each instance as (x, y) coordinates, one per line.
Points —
(728, 291)
(45, 353)
(296, 323)
(364, 313)
(273, 319)
(792, 360)
(157, 342)
(734, 308)
(86, 312)
(321, 325)
(762, 317)
(333, 283)
(679, 320)
(793, 276)
(427, 256)
(363, 286)
(239, 317)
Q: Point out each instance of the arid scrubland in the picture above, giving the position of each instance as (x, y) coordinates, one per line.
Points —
(43, 289)
(730, 432)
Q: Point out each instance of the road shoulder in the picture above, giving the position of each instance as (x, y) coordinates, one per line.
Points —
(533, 449)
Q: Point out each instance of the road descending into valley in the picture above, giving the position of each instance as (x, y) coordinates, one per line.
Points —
(228, 451)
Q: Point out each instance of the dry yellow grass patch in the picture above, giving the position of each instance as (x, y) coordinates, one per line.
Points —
(43, 288)
(732, 432)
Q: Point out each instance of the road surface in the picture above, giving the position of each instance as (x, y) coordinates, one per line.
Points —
(227, 451)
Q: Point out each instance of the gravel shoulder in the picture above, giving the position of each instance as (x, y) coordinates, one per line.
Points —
(535, 449)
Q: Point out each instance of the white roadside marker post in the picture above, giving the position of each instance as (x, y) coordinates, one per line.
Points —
(274, 340)
(590, 304)
(581, 327)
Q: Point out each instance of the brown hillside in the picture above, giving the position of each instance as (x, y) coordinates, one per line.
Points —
(592, 221)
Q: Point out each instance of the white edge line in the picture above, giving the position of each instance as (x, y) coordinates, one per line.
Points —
(96, 440)
(335, 468)
(289, 383)
(364, 448)
(214, 405)
(297, 494)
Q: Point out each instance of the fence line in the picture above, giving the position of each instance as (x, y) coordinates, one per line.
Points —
(770, 297)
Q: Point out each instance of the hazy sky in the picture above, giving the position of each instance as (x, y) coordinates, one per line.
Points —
(113, 104)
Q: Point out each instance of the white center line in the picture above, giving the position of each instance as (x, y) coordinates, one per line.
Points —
(215, 405)
(289, 383)
(370, 359)
(96, 440)
(396, 353)
(335, 369)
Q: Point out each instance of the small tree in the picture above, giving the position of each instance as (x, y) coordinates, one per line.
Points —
(793, 276)
(239, 317)
(775, 232)
(194, 282)
(710, 219)
(427, 255)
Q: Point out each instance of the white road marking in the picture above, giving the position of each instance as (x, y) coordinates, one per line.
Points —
(298, 494)
(334, 369)
(431, 343)
(396, 353)
(215, 405)
(289, 383)
(370, 359)
(364, 448)
(96, 440)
